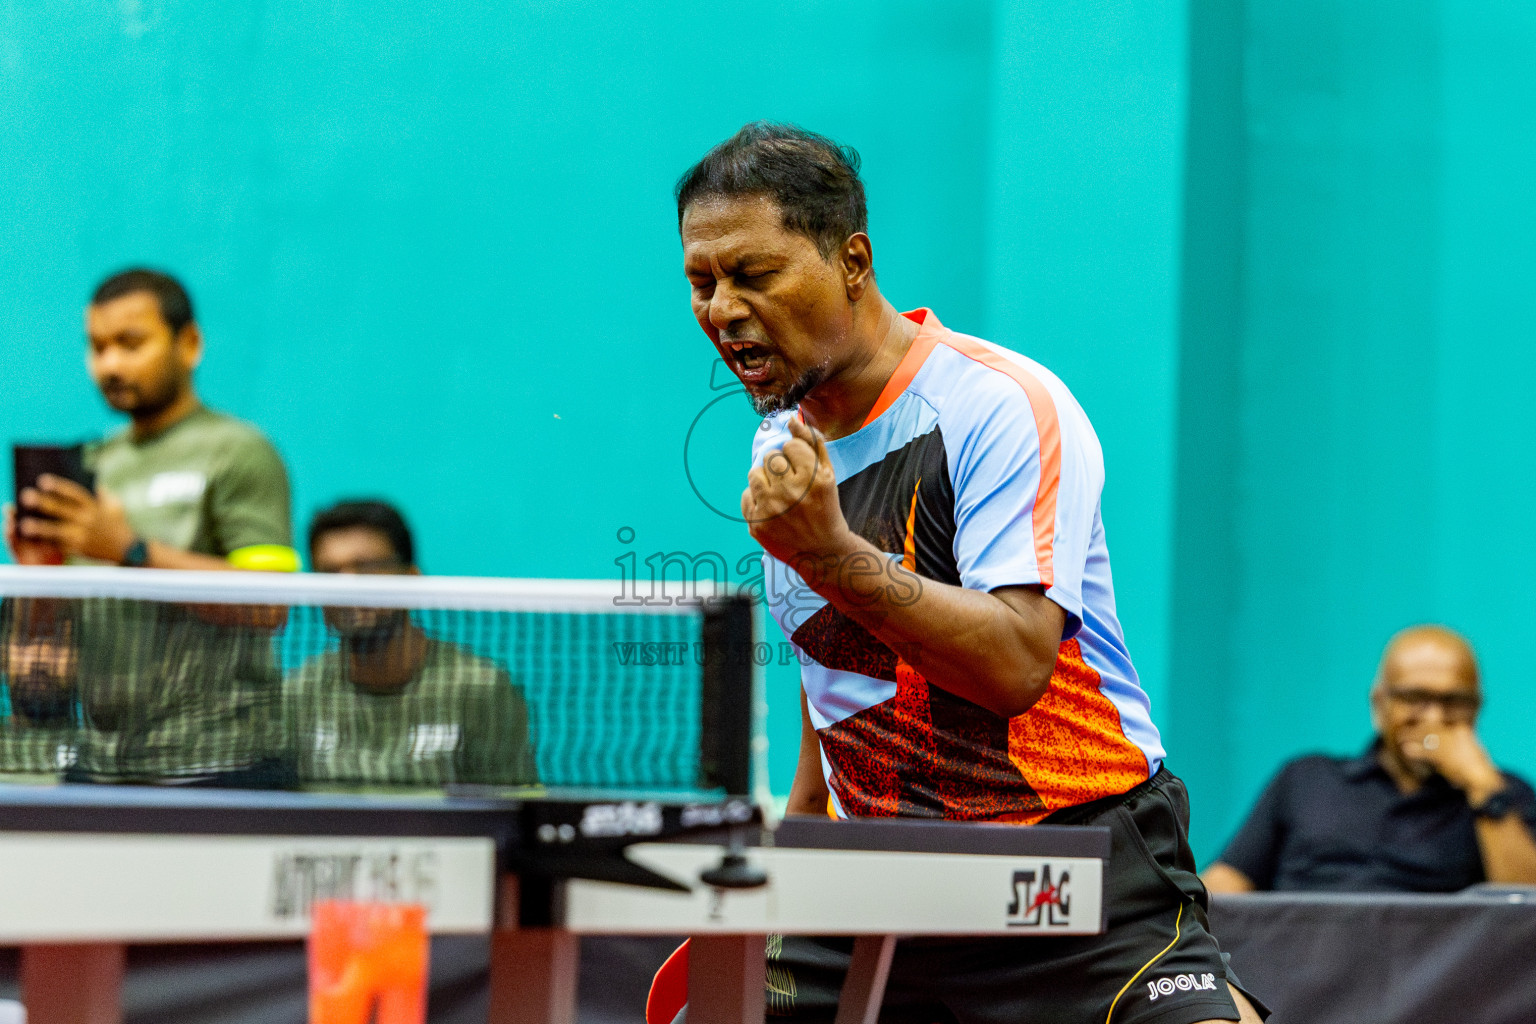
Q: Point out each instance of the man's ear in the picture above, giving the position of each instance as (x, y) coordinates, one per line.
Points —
(189, 346)
(858, 265)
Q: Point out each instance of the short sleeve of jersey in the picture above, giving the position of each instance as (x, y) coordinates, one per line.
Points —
(248, 497)
(1026, 478)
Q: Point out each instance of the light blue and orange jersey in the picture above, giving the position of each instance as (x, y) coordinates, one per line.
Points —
(975, 468)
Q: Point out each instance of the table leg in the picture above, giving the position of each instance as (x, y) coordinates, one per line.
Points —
(727, 976)
(533, 976)
(864, 985)
(73, 983)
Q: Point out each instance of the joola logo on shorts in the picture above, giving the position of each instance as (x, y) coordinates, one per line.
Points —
(1049, 904)
(1181, 983)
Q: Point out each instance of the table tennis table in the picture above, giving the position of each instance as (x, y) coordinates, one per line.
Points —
(86, 869)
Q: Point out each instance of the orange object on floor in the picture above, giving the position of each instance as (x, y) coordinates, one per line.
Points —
(367, 957)
(669, 989)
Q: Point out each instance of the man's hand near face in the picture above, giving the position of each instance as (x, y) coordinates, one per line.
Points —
(1453, 750)
(1506, 843)
(82, 524)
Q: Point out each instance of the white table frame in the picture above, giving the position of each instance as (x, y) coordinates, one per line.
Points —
(90, 894)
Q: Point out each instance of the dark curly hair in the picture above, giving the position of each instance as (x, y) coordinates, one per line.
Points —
(175, 303)
(369, 512)
(814, 180)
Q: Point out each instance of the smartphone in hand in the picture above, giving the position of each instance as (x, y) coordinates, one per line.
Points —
(31, 461)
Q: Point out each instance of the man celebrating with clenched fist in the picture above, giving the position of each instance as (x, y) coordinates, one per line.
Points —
(928, 507)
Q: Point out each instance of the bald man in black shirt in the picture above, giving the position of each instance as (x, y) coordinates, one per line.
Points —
(1424, 809)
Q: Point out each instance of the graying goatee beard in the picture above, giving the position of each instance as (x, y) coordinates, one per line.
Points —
(768, 405)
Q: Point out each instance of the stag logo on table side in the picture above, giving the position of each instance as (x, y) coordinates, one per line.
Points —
(1040, 899)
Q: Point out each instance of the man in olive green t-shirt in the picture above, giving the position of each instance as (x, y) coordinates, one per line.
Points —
(394, 705)
(166, 691)
(181, 487)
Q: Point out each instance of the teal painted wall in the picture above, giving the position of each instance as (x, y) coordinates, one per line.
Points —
(434, 249)
(1083, 257)
(1365, 459)
(1281, 252)
(1205, 583)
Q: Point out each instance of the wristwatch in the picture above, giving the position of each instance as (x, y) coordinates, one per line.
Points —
(1496, 806)
(137, 555)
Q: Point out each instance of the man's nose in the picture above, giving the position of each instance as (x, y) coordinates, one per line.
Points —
(107, 361)
(725, 307)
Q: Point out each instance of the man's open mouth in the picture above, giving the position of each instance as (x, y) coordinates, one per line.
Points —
(748, 354)
(753, 362)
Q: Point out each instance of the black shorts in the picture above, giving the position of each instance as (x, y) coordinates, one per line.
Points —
(1155, 963)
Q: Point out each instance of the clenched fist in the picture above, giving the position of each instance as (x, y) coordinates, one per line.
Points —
(790, 503)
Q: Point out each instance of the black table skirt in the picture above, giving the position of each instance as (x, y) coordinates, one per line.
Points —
(1316, 959)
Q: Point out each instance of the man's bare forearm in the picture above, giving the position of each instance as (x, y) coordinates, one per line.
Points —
(1509, 852)
(808, 793)
(258, 616)
(1223, 877)
(163, 556)
(995, 651)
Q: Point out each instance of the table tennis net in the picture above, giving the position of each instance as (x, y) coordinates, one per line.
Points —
(319, 682)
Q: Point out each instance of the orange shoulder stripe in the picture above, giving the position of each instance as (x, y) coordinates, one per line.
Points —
(1047, 427)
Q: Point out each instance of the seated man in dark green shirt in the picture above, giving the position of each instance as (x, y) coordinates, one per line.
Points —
(38, 663)
(393, 705)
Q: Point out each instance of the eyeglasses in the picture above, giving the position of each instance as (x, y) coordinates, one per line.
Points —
(1452, 705)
